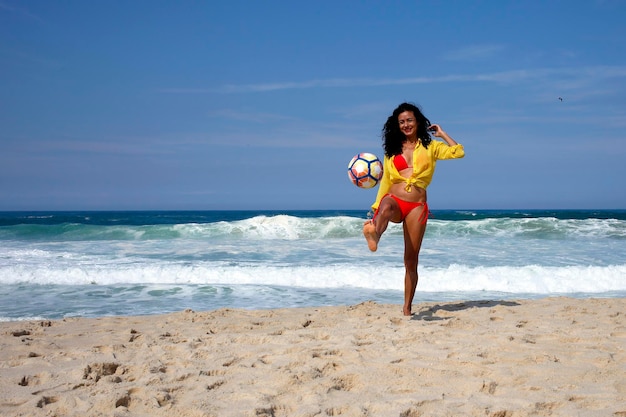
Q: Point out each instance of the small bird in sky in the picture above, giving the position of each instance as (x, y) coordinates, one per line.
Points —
(560, 98)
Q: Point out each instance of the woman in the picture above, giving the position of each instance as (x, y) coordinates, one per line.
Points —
(409, 164)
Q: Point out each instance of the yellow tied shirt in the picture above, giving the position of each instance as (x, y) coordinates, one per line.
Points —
(424, 161)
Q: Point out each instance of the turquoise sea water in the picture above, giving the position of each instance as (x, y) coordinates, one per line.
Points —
(57, 264)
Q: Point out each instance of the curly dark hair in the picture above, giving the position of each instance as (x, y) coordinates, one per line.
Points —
(393, 138)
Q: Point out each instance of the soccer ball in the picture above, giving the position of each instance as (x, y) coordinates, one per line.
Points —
(365, 170)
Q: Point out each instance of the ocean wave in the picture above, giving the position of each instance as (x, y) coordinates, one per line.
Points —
(544, 228)
(524, 279)
(288, 227)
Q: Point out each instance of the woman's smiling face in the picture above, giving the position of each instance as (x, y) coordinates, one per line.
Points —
(408, 124)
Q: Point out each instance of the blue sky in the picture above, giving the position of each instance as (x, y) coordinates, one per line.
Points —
(116, 105)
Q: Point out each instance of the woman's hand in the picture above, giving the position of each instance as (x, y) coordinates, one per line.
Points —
(437, 131)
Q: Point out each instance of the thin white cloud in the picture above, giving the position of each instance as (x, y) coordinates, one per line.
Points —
(19, 10)
(109, 145)
(512, 76)
(257, 117)
(298, 85)
(331, 83)
(472, 53)
(38, 60)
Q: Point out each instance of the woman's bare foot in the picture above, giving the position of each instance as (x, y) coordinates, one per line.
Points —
(369, 231)
(406, 311)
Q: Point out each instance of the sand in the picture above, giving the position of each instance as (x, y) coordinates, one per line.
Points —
(547, 357)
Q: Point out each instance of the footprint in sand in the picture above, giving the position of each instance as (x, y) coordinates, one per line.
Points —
(45, 401)
(97, 370)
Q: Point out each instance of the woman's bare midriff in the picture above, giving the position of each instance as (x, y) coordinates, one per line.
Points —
(416, 195)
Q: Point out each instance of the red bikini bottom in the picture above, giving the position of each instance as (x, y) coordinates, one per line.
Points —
(407, 206)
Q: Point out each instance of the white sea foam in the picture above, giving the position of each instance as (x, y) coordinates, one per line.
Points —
(526, 279)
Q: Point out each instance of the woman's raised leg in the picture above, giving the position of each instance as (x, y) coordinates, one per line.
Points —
(388, 210)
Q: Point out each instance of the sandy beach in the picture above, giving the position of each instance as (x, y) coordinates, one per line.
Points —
(547, 357)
